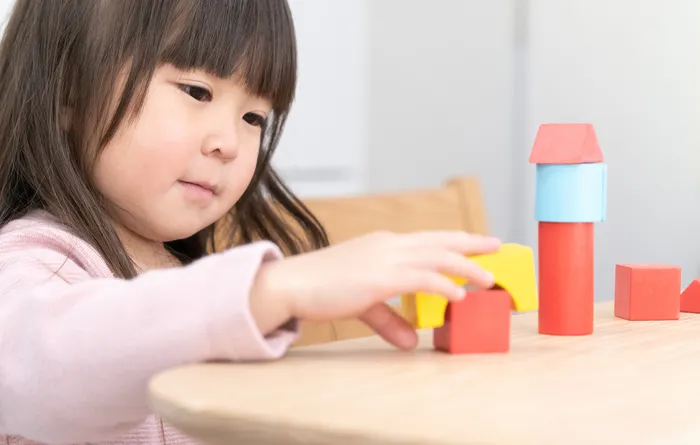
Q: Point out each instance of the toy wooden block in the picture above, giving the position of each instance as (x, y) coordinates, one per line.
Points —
(690, 298)
(424, 310)
(566, 144)
(478, 324)
(513, 268)
(647, 292)
(571, 192)
(566, 278)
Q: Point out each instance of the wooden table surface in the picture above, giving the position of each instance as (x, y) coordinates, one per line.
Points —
(629, 383)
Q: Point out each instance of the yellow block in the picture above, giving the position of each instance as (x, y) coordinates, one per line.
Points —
(424, 310)
(513, 268)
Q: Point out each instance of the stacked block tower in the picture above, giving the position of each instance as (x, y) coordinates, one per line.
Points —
(571, 188)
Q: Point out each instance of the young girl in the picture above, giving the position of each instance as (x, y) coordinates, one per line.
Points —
(128, 129)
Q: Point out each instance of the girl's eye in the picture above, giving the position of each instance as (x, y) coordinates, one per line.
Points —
(198, 93)
(254, 119)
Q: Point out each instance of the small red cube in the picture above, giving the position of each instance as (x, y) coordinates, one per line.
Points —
(647, 292)
(478, 324)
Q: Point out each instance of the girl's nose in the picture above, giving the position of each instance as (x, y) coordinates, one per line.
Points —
(223, 143)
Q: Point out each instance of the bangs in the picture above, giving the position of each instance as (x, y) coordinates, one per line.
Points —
(250, 40)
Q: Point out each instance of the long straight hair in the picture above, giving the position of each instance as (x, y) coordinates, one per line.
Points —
(66, 54)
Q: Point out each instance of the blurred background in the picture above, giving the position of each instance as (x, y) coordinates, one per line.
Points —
(401, 94)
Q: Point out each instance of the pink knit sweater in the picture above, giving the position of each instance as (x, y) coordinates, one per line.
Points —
(78, 346)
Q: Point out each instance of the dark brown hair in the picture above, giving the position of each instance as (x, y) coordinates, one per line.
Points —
(67, 54)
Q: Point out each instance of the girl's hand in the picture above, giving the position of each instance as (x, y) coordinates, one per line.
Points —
(356, 277)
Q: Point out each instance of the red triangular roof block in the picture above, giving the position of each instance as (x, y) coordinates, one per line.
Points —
(690, 298)
(566, 144)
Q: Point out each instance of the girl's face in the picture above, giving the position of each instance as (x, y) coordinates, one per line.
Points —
(187, 157)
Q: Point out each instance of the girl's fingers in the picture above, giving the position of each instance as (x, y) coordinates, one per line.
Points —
(454, 240)
(417, 280)
(391, 326)
(452, 264)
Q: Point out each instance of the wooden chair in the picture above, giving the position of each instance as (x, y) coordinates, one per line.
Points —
(458, 204)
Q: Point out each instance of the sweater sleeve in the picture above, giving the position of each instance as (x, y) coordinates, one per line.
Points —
(76, 353)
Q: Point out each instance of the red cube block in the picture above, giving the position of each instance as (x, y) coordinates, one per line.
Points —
(647, 292)
(478, 324)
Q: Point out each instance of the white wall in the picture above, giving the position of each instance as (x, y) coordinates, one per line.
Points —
(390, 89)
(441, 84)
(323, 151)
(5, 9)
(460, 87)
(631, 67)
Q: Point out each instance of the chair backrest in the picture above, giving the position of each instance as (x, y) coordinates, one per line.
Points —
(457, 205)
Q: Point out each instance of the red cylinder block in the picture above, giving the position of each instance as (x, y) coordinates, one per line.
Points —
(566, 294)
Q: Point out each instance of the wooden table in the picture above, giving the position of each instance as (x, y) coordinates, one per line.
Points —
(628, 383)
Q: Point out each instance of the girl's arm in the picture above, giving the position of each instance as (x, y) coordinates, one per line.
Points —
(76, 352)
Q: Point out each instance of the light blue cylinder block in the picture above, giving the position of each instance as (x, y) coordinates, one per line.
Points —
(571, 192)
